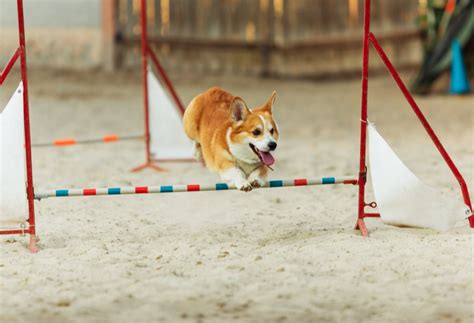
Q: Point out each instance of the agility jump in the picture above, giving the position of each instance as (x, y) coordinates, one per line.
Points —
(163, 111)
(400, 202)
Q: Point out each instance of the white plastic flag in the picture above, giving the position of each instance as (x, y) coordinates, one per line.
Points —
(167, 137)
(13, 199)
(402, 198)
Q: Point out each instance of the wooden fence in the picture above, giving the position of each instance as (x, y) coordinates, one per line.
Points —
(253, 36)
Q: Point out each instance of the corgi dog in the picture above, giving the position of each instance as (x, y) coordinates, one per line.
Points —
(232, 139)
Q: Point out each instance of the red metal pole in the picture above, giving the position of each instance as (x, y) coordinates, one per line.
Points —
(11, 62)
(167, 80)
(144, 35)
(26, 117)
(149, 162)
(363, 121)
(15, 231)
(424, 122)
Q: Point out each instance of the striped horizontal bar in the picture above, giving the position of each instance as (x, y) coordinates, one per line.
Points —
(189, 188)
(72, 141)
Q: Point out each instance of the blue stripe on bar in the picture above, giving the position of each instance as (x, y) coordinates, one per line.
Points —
(166, 189)
(329, 180)
(221, 186)
(113, 190)
(276, 183)
(62, 192)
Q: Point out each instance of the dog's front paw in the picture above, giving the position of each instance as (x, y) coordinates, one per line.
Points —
(256, 183)
(236, 177)
(245, 186)
(255, 180)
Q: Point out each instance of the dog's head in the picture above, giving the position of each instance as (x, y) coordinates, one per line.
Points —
(254, 133)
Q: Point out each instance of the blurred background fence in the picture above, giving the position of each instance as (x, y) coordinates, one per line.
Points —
(294, 38)
(312, 38)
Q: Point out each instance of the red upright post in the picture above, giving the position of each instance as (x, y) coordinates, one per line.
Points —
(144, 36)
(26, 117)
(20, 53)
(360, 225)
(145, 77)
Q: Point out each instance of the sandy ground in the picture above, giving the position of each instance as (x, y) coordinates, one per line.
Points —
(282, 255)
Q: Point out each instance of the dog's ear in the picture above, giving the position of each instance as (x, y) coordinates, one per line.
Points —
(270, 102)
(238, 110)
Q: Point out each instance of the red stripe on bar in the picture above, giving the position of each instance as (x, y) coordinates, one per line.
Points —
(300, 182)
(350, 181)
(110, 138)
(141, 190)
(89, 191)
(193, 188)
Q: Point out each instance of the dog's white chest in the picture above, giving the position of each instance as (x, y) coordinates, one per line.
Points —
(246, 167)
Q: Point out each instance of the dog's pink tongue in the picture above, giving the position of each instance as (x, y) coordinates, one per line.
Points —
(267, 158)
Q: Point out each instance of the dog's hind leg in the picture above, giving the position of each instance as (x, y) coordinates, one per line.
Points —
(197, 152)
(191, 120)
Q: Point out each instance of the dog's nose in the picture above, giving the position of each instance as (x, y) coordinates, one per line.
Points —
(272, 145)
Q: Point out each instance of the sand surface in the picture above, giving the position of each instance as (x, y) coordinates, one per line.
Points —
(282, 255)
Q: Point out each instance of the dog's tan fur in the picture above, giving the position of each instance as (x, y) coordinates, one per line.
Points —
(220, 125)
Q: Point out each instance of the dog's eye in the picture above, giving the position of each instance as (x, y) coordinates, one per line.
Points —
(257, 132)
(272, 131)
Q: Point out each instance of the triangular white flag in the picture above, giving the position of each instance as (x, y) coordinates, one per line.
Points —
(13, 199)
(402, 198)
(167, 137)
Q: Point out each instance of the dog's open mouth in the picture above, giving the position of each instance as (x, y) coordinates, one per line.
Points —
(265, 157)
